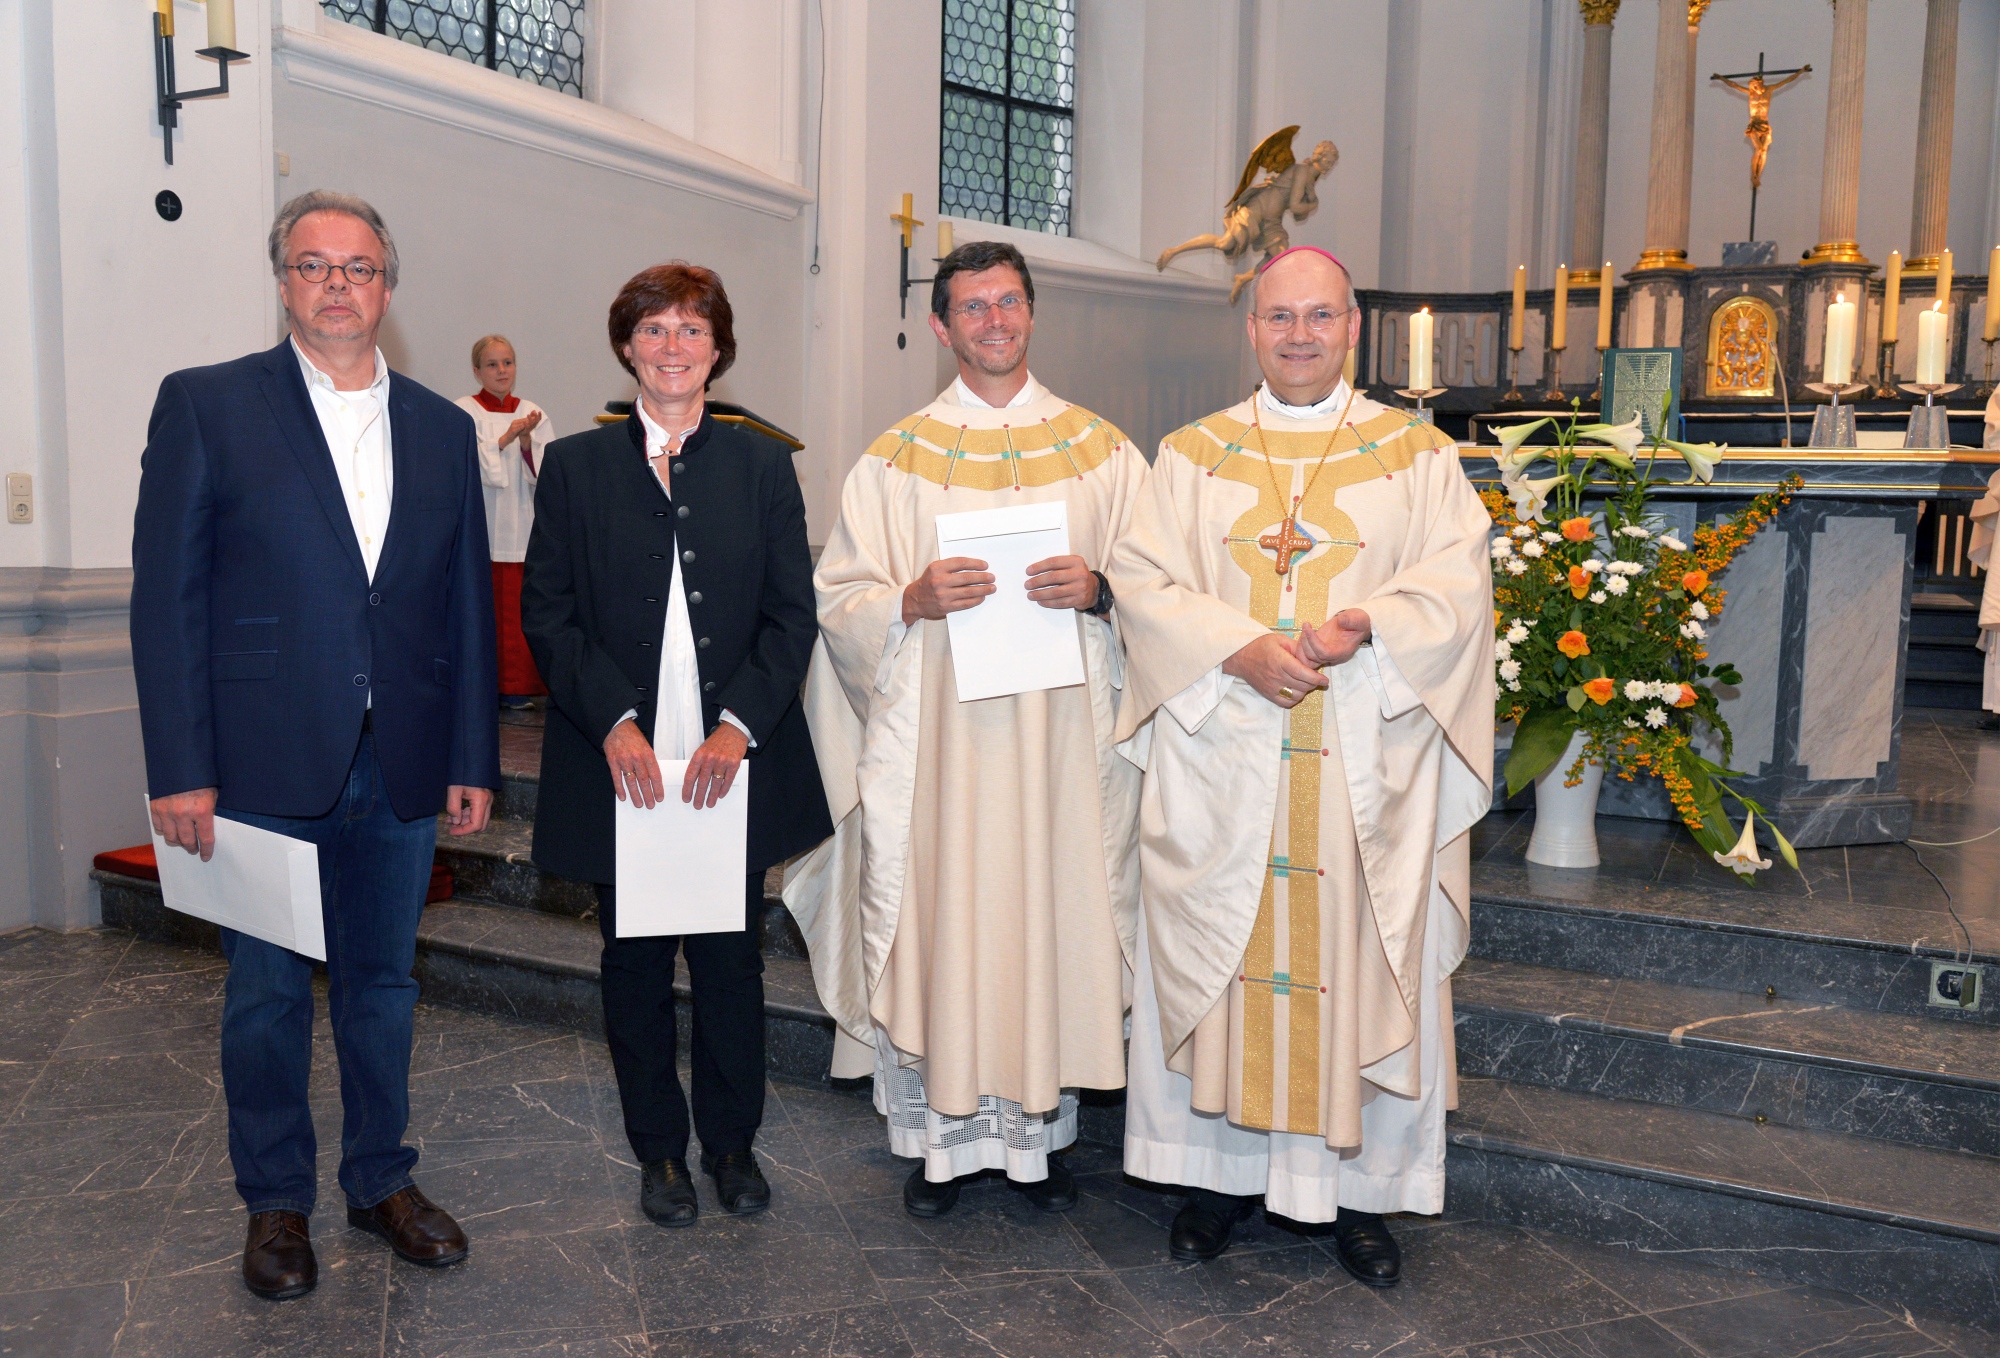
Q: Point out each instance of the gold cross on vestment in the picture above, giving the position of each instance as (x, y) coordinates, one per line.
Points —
(1288, 541)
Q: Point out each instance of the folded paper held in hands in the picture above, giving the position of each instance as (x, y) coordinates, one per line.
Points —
(1008, 643)
(680, 871)
(258, 882)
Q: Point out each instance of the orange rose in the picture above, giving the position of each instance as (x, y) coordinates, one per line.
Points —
(1579, 581)
(1694, 582)
(1574, 644)
(1600, 691)
(1577, 530)
(1688, 696)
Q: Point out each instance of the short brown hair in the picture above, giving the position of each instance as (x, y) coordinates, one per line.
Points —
(676, 283)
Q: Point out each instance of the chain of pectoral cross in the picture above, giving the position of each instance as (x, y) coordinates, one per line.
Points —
(1287, 542)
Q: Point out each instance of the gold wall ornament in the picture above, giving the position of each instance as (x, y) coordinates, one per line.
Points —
(1696, 8)
(1598, 12)
(1742, 344)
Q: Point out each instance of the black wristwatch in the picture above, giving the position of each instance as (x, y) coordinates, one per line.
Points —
(1103, 605)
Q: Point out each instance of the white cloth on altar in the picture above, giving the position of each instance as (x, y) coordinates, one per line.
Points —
(505, 476)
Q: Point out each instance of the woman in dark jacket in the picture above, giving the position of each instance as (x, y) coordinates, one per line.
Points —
(667, 597)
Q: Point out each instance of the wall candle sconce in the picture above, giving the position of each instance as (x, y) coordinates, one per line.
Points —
(221, 46)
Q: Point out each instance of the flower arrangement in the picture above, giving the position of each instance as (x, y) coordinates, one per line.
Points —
(1602, 621)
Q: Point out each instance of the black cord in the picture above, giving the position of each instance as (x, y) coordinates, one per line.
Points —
(1948, 902)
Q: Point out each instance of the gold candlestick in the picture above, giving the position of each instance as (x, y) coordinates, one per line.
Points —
(1885, 372)
(1513, 396)
(1554, 364)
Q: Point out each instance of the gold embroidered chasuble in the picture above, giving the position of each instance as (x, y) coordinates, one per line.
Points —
(978, 900)
(1289, 858)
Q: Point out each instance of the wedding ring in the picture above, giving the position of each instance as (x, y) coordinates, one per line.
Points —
(1284, 693)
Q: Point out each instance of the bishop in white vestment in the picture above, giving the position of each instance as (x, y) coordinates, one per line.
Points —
(1305, 598)
(970, 923)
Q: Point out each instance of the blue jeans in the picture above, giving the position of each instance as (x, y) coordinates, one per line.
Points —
(374, 871)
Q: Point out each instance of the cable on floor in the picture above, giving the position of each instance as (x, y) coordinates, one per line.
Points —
(1949, 904)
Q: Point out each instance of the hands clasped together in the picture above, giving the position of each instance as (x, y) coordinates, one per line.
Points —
(711, 771)
(1285, 671)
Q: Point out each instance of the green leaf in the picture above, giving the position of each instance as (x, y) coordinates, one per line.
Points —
(1576, 699)
(1727, 675)
(1561, 666)
(1539, 741)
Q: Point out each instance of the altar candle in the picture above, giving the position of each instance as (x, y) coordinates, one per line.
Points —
(1892, 296)
(944, 239)
(222, 23)
(1943, 293)
(1837, 359)
(1420, 350)
(1604, 304)
(1932, 328)
(1520, 306)
(1560, 337)
(165, 9)
(1992, 332)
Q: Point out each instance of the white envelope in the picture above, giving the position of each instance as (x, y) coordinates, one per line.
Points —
(680, 871)
(1008, 643)
(259, 883)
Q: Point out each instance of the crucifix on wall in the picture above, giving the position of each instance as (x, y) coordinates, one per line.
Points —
(1758, 133)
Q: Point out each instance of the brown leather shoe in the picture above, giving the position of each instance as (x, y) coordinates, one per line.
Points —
(278, 1261)
(416, 1228)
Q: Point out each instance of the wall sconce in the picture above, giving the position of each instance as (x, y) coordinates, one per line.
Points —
(907, 223)
(221, 46)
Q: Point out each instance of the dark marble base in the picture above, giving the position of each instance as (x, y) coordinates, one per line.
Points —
(1848, 818)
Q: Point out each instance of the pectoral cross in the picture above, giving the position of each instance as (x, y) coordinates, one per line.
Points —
(1288, 541)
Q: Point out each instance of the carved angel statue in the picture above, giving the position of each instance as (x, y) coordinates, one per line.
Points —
(1254, 218)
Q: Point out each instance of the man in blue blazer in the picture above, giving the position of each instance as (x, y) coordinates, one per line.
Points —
(312, 632)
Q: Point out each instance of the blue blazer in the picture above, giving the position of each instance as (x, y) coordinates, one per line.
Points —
(257, 638)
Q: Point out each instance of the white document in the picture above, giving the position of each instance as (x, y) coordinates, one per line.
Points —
(1008, 643)
(259, 883)
(680, 871)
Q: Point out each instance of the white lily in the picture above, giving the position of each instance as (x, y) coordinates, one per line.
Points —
(1743, 858)
(1511, 438)
(1530, 497)
(1624, 437)
(1700, 458)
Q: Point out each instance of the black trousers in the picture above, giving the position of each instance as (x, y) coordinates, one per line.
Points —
(726, 974)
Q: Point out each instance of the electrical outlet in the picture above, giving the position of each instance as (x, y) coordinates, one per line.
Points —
(20, 497)
(1954, 985)
(284, 163)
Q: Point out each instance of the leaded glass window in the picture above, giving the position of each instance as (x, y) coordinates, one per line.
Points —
(538, 40)
(1007, 134)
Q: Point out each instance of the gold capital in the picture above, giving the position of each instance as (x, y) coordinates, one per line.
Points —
(1598, 13)
(1696, 8)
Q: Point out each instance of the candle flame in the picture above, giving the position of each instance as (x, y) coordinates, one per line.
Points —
(1937, 305)
(1840, 297)
(1426, 311)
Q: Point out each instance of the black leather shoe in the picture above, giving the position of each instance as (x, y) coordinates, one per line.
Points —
(1057, 1193)
(738, 1181)
(666, 1193)
(278, 1262)
(1366, 1249)
(922, 1198)
(1201, 1229)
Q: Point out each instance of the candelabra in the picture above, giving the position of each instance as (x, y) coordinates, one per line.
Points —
(1554, 364)
(1421, 395)
(1930, 423)
(1833, 423)
(1885, 371)
(171, 99)
(1984, 390)
(1513, 396)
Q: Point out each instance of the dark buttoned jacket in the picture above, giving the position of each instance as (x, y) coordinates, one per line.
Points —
(594, 594)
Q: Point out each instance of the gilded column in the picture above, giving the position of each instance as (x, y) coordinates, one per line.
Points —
(1670, 169)
(1586, 239)
(1934, 117)
(1840, 172)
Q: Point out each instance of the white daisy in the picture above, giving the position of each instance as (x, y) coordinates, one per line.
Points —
(1523, 530)
(1597, 596)
(1668, 540)
(1592, 566)
(1633, 530)
(1632, 722)
(1501, 548)
(1513, 685)
(1532, 548)
(1624, 567)
(1636, 690)
(1502, 650)
(1516, 566)
(1700, 610)
(1693, 631)
(1510, 669)
(1516, 633)
(1617, 584)
(1551, 537)
(1656, 717)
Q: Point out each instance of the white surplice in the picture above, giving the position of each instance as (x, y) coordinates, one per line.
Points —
(506, 477)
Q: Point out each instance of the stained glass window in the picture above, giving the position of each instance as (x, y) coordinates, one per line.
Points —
(538, 40)
(1007, 129)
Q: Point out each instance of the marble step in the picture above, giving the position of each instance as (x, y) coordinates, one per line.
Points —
(1792, 1063)
(495, 867)
(1919, 1226)
(521, 964)
(1858, 955)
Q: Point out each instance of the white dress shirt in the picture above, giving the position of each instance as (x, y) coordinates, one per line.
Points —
(1031, 391)
(356, 425)
(677, 727)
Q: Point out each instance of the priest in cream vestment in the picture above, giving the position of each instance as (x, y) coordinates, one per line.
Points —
(1306, 604)
(971, 921)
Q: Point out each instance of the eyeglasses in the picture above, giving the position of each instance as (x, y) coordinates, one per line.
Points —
(359, 271)
(657, 334)
(1319, 320)
(1006, 306)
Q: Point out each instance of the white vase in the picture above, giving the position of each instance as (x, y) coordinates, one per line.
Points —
(1566, 817)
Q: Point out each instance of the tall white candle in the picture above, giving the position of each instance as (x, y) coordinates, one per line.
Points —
(1604, 305)
(1892, 296)
(1932, 329)
(1420, 350)
(222, 24)
(1837, 358)
(944, 239)
(1559, 335)
(1943, 293)
(1515, 323)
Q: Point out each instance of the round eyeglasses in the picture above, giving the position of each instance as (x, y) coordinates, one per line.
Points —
(1319, 320)
(657, 334)
(1006, 306)
(359, 271)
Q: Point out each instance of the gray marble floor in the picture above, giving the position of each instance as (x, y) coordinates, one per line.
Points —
(119, 1229)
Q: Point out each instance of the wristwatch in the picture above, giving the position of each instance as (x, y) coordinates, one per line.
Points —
(1103, 605)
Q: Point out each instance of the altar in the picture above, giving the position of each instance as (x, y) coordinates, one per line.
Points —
(1817, 620)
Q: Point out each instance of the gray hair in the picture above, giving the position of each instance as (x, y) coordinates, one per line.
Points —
(328, 200)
